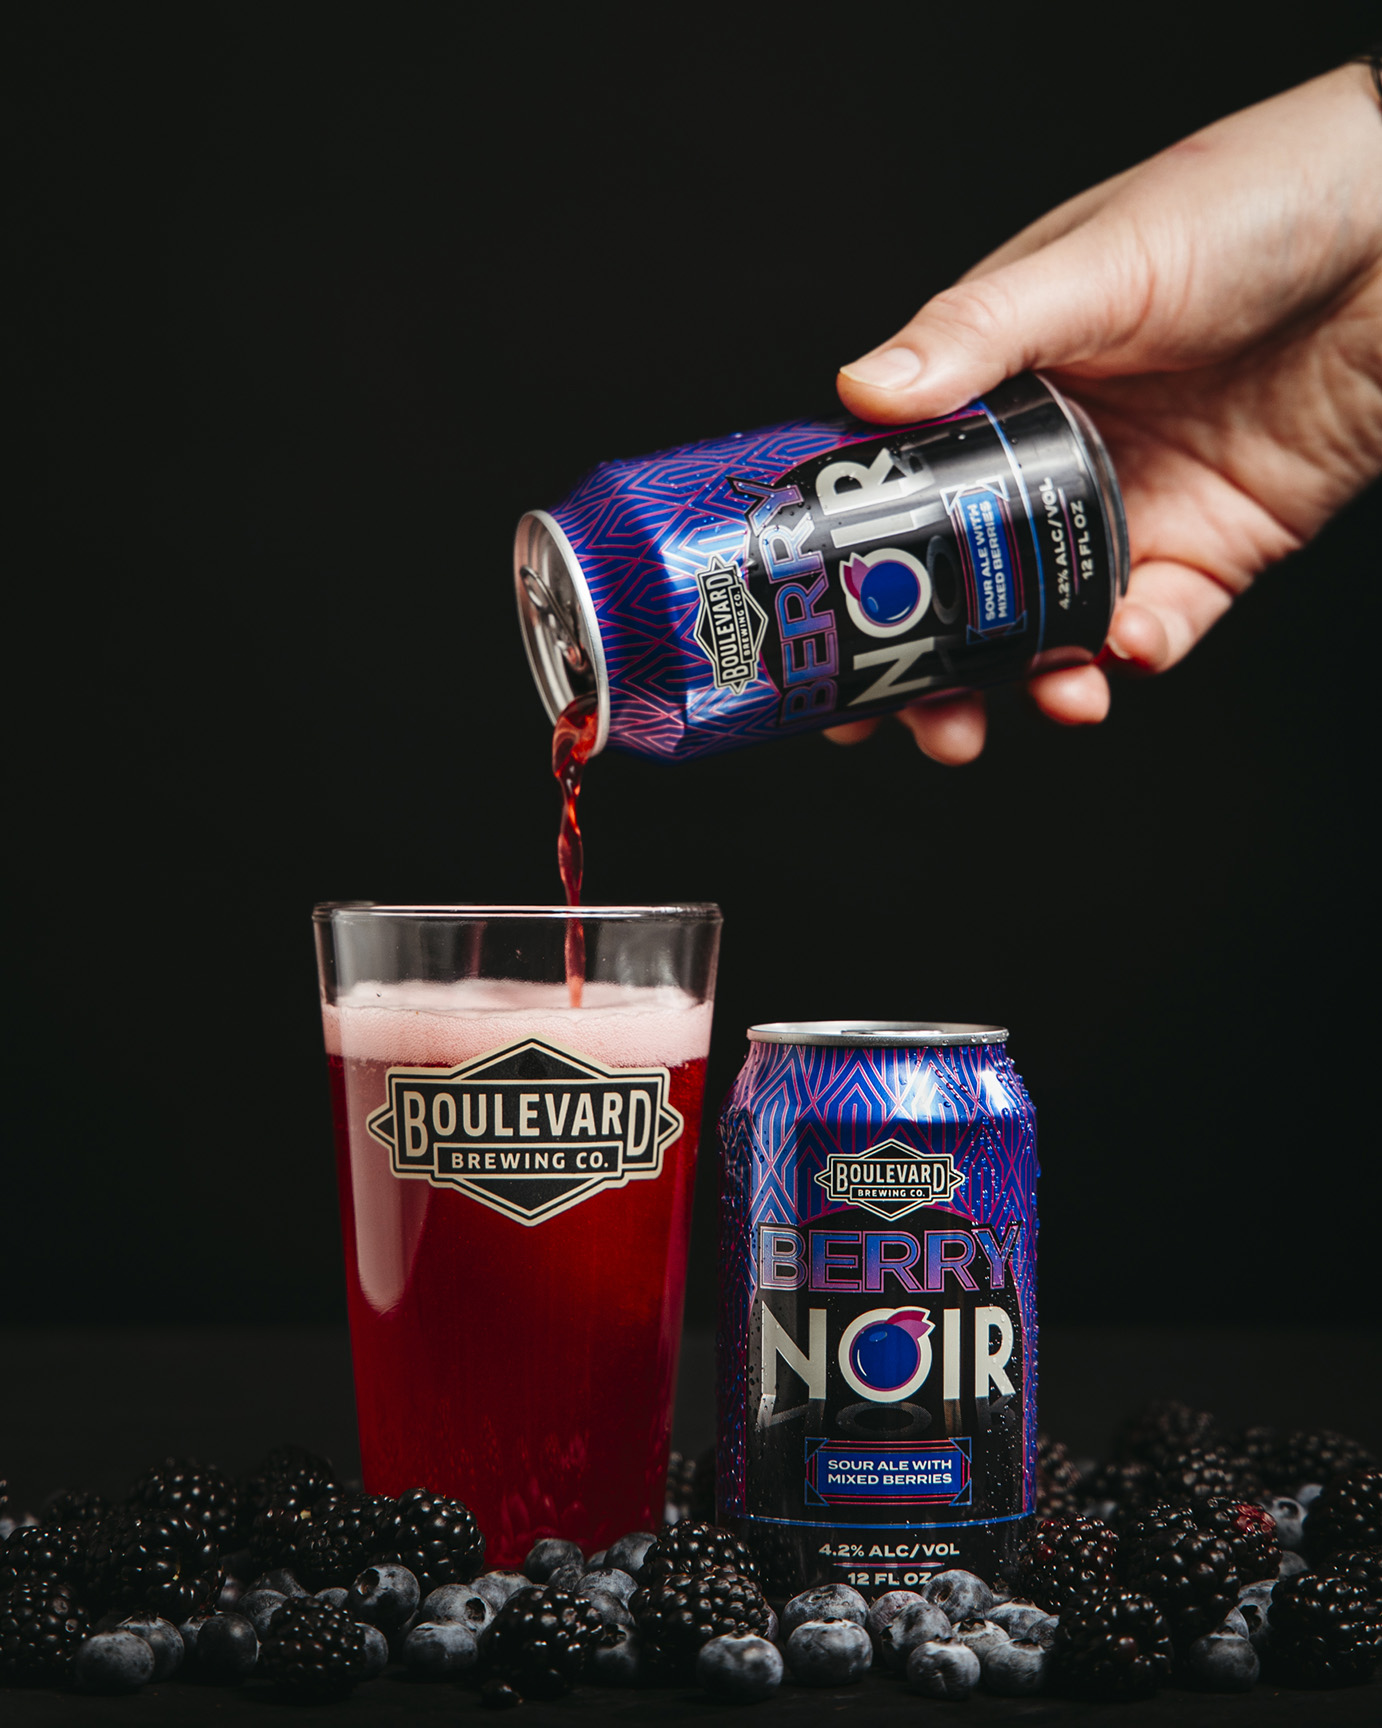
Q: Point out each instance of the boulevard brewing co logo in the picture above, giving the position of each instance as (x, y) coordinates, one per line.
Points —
(890, 1179)
(530, 1130)
(730, 626)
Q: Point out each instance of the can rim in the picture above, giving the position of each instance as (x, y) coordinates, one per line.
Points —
(586, 619)
(878, 1034)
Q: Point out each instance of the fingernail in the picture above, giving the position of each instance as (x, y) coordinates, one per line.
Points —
(892, 369)
(1112, 645)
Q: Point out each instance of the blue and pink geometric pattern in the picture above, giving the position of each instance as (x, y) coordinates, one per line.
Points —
(641, 529)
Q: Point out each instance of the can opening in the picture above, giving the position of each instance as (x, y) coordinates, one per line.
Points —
(560, 632)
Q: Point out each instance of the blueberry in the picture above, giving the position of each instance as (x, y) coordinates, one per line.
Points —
(1234, 1622)
(1016, 1616)
(162, 1637)
(439, 1650)
(772, 1630)
(829, 1652)
(980, 1634)
(610, 1579)
(1290, 1523)
(629, 1551)
(548, 1555)
(383, 1596)
(596, 1561)
(336, 1594)
(1253, 1602)
(739, 1670)
(617, 1663)
(459, 1603)
(227, 1649)
(232, 1589)
(1292, 1565)
(825, 1602)
(1223, 1662)
(259, 1607)
(611, 1610)
(1015, 1668)
(567, 1577)
(189, 1632)
(883, 1610)
(279, 1578)
(959, 1593)
(916, 1623)
(376, 1652)
(943, 1668)
(113, 1662)
(497, 1587)
(1308, 1492)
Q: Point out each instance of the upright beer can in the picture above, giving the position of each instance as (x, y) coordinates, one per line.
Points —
(752, 586)
(877, 1341)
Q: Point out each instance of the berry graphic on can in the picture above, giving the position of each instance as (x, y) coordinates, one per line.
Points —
(765, 583)
(877, 1348)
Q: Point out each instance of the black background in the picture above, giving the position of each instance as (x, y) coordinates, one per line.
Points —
(311, 306)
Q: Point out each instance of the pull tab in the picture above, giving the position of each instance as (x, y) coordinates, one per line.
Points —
(559, 621)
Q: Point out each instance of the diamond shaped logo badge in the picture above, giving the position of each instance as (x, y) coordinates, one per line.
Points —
(730, 626)
(890, 1179)
(529, 1130)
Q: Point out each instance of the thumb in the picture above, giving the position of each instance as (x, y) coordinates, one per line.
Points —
(1075, 303)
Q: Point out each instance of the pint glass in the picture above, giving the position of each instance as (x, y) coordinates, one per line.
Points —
(515, 1183)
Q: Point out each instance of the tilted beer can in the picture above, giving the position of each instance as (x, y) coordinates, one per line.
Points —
(768, 582)
(877, 1340)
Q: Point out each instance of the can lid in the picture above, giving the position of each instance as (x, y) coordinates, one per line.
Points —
(560, 630)
(877, 1034)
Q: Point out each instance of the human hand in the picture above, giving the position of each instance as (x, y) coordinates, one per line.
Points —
(1218, 311)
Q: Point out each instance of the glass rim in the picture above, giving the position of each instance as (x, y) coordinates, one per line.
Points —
(684, 912)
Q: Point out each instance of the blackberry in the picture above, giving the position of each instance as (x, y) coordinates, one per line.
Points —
(41, 1625)
(1186, 1571)
(1249, 1530)
(1116, 1645)
(1065, 1560)
(1347, 1513)
(70, 1511)
(678, 1612)
(1325, 1631)
(343, 1538)
(198, 1492)
(1121, 1490)
(157, 1561)
(1315, 1457)
(681, 1484)
(313, 1651)
(36, 1551)
(1196, 1472)
(540, 1638)
(1159, 1430)
(281, 1527)
(437, 1539)
(1361, 1566)
(695, 1548)
(1058, 1480)
(288, 1472)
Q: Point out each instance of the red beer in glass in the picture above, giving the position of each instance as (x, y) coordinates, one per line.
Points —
(515, 1180)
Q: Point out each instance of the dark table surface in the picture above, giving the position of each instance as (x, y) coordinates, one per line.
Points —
(92, 1407)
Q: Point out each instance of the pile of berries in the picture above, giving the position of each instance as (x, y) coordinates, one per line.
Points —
(1190, 1556)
